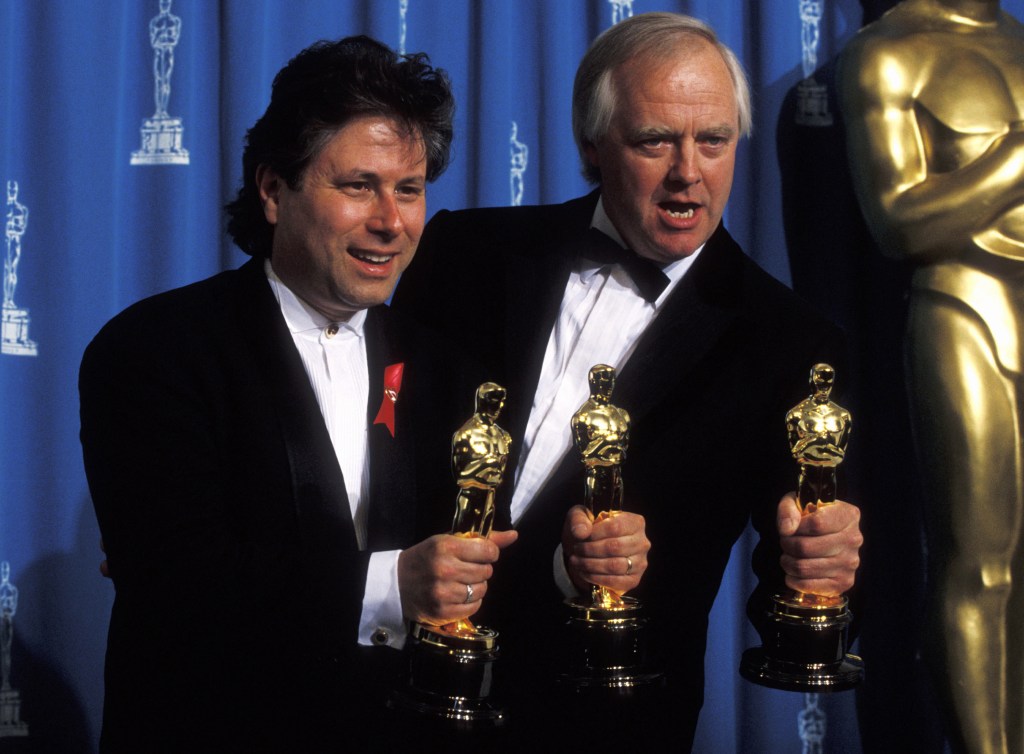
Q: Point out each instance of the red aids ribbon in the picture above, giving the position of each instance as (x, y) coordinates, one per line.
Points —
(392, 386)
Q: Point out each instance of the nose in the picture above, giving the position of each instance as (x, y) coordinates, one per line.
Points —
(684, 169)
(386, 220)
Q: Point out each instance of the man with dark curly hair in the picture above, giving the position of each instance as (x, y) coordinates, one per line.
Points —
(249, 439)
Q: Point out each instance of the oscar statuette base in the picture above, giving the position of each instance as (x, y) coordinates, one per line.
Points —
(161, 142)
(14, 333)
(450, 678)
(606, 648)
(804, 648)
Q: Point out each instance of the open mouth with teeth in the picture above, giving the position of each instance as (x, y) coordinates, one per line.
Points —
(371, 258)
(680, 211)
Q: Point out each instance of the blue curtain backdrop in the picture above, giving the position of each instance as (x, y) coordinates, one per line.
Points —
(88, 233)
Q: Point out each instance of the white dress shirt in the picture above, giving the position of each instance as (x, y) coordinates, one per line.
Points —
(334, 356)
(601, 320)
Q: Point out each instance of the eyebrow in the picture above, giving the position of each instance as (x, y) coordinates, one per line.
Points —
(370, 175)
(724, 130)
(652, 132)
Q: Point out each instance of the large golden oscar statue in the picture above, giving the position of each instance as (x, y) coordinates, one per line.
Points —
(933, 99)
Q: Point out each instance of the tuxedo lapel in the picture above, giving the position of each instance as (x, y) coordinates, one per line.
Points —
(534, 297)
(536, 280)
(320, 499)
(699, 311)
(392, 473)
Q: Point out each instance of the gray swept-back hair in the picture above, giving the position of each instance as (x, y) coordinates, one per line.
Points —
(655, 36)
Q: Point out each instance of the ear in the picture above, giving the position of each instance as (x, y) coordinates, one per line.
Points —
(590, 152)
(269, 185)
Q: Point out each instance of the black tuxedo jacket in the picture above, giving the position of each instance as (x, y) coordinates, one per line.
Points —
(238, 579)
(707, 389)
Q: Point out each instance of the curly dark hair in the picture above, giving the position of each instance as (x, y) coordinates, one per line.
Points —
(318, 93)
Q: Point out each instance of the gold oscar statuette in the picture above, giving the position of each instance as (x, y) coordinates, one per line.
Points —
(606, 637)
(451, 666)
(804, 638)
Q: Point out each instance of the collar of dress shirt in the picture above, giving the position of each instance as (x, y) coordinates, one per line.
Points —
(674, 271)
(301, 318)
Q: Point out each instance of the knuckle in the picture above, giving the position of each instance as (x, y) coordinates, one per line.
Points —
(442, 545)
(436, 595)
(795, 549)
(801, 569)
(444, 571)
(815, 525)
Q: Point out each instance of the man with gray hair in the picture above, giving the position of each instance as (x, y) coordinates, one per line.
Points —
(710, 350)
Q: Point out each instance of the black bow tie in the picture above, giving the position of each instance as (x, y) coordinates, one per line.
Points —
(646, 274)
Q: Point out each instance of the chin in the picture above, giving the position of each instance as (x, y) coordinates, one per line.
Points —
(367, 298)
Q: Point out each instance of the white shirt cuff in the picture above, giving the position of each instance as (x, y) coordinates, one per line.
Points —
(381, 623)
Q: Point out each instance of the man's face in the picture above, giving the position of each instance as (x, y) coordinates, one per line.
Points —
(342, 239)
(667, 160)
